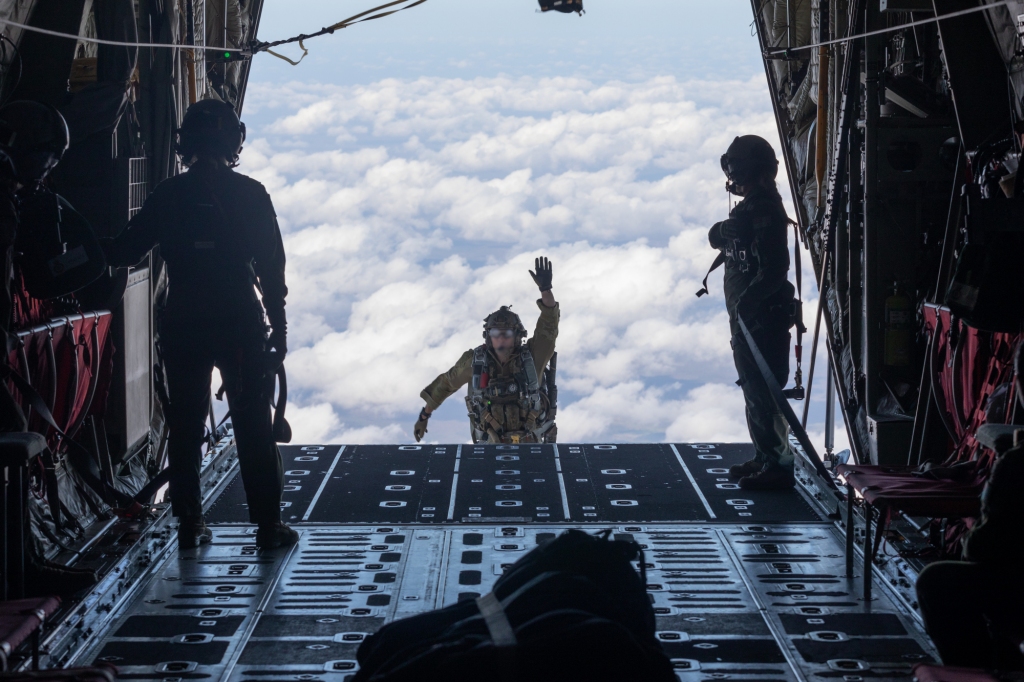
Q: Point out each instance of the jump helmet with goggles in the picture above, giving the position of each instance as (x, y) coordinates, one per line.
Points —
(504, 318)
(749, 159)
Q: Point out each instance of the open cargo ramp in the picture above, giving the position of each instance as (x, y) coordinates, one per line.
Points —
(746, 586)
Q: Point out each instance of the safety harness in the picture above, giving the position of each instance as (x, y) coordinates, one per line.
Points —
(523, 389)
(737, 254)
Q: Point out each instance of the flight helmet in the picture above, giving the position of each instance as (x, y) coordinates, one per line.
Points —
(504, 318)
(749, 159)
(210, 128)
(34, 136)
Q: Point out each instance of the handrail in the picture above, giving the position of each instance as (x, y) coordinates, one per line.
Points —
(63, 319)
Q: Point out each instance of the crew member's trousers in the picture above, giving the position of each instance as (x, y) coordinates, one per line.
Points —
(190, 355)
(769, 430)
(973, 613)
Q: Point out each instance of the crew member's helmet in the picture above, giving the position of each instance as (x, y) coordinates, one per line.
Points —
(749, 159)
(34, 136)
(504, 318)
(210, 128)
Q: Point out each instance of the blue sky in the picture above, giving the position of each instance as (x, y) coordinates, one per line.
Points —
(420, 162)
(615, 39)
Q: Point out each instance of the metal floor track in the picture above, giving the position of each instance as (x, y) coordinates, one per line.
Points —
(736, 601)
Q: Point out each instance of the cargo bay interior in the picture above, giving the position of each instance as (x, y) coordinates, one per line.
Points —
(813, 583)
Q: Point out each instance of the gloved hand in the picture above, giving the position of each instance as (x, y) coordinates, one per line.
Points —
(543, 275)
(736, 228)
(278, 341)
(420, 429)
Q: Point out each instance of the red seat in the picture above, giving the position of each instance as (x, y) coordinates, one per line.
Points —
(22, 619)
(912, 493)
(932, 672)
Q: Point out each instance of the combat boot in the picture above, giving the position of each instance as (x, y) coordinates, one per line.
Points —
(751, 466)
(274, 535)
(192, 532)
(769, 478)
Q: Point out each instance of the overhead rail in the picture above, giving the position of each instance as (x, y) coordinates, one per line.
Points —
(785, 52)
(255, 47)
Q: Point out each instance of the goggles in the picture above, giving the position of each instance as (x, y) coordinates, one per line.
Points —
(501, 333)
(725, 165)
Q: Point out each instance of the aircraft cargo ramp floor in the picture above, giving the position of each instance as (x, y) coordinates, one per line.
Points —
(747, 586)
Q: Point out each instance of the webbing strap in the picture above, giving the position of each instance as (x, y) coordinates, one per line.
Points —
(798, 352)
(719, 259)
(530, 368)
(479, 365)
(796, 257)
(496, 620)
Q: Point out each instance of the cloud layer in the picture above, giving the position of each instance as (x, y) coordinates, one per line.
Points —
(411, 209)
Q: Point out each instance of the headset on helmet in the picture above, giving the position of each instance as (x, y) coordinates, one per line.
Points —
(504, 318)
(749, 159)
(34, 136)
(210, 128)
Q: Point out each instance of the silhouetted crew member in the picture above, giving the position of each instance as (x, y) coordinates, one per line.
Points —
(753, 242)
(974, 609)
(33, 139)
(219, 237)
(510, 393)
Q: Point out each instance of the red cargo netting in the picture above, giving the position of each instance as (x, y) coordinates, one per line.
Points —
(68, 361)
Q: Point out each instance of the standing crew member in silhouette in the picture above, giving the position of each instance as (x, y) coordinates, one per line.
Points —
(33, 139)
(753, 246)
(511, 395)
(218, 234)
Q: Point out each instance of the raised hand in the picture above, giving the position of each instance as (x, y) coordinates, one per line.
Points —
(542, 276)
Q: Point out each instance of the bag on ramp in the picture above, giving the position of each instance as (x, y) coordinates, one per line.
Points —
(573, 608)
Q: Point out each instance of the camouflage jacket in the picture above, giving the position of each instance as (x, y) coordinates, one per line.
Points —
(541, 345)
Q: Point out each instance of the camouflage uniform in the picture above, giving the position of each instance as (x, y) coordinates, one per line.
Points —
(505, 418)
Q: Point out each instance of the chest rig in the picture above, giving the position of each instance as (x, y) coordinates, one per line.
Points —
(507, 405)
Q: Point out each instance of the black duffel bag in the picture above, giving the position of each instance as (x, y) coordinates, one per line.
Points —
(573, 608)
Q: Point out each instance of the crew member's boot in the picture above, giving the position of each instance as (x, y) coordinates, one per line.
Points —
(274, 535)
(769, 478)
(192, 532)
(751, 466)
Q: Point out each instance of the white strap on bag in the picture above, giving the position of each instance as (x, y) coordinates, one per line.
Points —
(496, 620)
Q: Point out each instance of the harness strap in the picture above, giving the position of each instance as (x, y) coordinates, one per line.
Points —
(530, 368)
(497, 622)
(798, 350)
(479, 364)
(719, 260)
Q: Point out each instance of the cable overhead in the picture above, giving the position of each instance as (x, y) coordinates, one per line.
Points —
(787, 51)
(254, 47)
(354, 19)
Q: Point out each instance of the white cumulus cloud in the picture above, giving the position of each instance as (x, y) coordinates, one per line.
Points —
(412, 208)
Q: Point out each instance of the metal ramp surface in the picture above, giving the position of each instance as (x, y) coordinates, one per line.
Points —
(403, 484)
(737, 594)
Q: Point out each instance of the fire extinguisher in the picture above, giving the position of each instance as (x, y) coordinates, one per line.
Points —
(899, 318)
